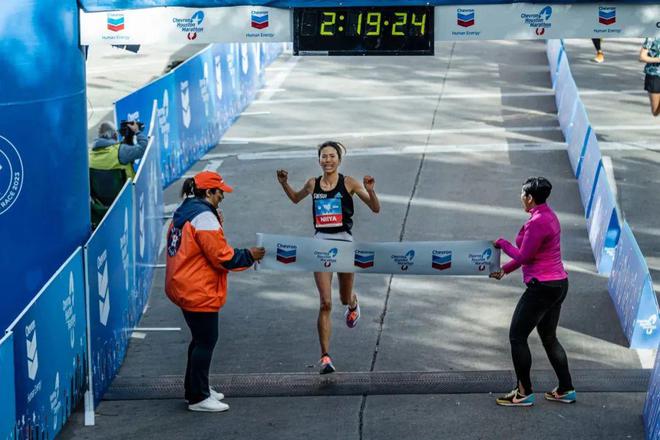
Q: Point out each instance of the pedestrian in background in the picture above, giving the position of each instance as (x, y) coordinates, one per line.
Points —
(538, 251)
(198, 260)
(600, 56)
(650, 54)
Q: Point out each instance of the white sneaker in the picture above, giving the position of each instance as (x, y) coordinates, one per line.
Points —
(216, 395)
(209, 405)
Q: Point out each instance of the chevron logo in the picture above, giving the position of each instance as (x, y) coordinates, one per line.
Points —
(185, 103)
(31, 348)
(259, 19)
(104, 288)
(115, 22)
(465, 17)
(606, 15)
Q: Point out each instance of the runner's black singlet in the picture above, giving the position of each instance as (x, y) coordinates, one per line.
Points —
(332, 210)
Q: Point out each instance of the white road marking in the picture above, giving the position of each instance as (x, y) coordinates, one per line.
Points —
(273, 85)
(157, 329)
(138, 335)
(254, 113)
(213, 165)
(646, 357)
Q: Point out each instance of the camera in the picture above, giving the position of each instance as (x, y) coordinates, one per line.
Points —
(126, 131)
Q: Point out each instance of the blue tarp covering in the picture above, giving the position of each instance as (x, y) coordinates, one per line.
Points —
(105, 5)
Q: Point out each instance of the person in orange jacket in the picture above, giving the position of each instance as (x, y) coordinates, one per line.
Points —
(198, 260)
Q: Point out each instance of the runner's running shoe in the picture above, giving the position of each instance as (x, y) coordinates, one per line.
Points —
(326, 365)
(567, 397)
(514, 398)
(352, 315)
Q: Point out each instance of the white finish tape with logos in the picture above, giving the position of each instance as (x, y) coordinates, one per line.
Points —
(304, 254)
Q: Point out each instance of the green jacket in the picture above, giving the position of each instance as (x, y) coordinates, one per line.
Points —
(107, 158)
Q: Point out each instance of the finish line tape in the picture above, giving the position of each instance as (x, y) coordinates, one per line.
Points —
(304, 254)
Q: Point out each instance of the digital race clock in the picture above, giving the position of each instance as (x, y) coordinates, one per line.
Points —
(363, 31)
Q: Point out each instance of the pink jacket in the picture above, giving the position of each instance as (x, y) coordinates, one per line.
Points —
(538, 248)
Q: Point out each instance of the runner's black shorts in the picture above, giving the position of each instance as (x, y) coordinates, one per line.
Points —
(652, 83)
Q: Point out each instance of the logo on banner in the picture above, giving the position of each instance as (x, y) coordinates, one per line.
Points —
(286, 253)
(31, 349)
(218, 76)
(441, 260)
(104, 287)
(123, 241)
(115, 22)
(190, 26)
(68, 308)
(141, 225)
(649, 325)
(607, 17)
(406, 260)
(539, 21)
(465, 17)
(327, 258)
(163, 122)
(185, 103)
(55, 403)
(204, 89)
(364, 259)
(482, 260)
(328, 213)
(259, 19)
(11, 174)
(245, 60)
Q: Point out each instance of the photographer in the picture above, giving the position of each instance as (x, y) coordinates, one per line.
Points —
(108, 152)
(111, 163)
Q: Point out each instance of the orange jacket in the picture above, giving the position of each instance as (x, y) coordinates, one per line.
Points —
(199, 258)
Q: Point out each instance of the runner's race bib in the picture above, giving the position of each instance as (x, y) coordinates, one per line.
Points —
(327, 213)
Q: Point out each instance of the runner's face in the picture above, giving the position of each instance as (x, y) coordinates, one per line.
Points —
(329, 160)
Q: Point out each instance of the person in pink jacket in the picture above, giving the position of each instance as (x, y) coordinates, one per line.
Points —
(538, 252)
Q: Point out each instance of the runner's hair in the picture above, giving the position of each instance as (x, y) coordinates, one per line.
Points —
(338, 146)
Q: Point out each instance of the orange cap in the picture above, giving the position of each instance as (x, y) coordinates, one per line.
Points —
(211, 180)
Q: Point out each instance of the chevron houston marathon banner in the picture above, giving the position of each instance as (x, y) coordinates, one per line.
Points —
(303, 254)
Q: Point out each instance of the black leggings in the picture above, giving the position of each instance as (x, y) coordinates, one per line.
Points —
(596, 42)
(204, 329)
(539, 307)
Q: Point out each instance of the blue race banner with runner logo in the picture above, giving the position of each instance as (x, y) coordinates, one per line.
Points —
(652, 404)
(580, 134)
(603, 224)
(589, 169)
(113, 305)
(303, 254)
(7, 389)
(50, 345)
(148, 193)
(632, 292)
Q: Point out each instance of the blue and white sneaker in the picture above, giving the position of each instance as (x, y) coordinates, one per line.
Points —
(567, 397)
(514, 398)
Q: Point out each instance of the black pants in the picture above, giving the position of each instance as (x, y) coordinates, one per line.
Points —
(596, 42)
(539, 307)
(204, 329)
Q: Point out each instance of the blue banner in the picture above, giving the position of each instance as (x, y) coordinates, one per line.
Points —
(580, 133)
(105, 5)
(589, 168)
(43, 166)
(566, 97)
(7, 389)
(603, 224)
(652, 405)
(554, 50)
(111, 298)
(148, 193)
(50, 353)
(632, 292)
(139, 104)
(198, 127)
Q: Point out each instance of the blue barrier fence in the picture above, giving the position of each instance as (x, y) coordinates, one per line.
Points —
(199, 100)
(7, 390)
(632, 292)
(615, 249)
(111, 295)
(652, 405)
(50, 352)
